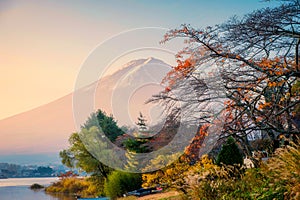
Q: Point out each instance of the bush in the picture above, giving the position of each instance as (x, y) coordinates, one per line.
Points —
(36, 186)
(72, 185)
(97, 185)
(230, 154)
(135, 145)
(119, 183)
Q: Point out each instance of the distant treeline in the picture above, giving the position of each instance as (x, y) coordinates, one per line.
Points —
(8, 170)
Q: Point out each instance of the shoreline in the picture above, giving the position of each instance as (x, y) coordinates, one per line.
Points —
(45, 181)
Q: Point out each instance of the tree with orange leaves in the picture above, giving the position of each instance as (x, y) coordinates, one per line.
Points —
(192, 151)
(255, 63)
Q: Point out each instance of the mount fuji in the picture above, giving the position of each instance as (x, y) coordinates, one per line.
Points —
(47, 128)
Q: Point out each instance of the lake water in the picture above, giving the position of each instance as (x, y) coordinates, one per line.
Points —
(18, 189)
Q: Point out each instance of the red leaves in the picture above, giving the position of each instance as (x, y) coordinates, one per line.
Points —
(167, 89)
(185, 30)
(264, 105)
(192, 151)
(185, 64)
(276, 66)
(182, 70)
(67, 175)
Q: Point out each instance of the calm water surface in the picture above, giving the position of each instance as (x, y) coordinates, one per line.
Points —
(18, 189)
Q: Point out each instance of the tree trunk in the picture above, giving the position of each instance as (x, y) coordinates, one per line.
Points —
(297, 55)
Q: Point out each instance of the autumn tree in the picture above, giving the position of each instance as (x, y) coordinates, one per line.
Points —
(192, 151)
(172, 176)
(254, 64)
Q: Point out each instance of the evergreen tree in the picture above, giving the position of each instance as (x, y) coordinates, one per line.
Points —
(142, 123)
(135, 144)
(107, 123)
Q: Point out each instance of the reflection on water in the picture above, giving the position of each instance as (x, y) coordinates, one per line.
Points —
(18, 189)
(61, 197)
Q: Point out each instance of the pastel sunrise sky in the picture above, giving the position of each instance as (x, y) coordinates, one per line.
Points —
(44, 43)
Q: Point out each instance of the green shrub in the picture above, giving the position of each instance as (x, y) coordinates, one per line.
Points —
(230, 153)
(135, 145)
(119, 183)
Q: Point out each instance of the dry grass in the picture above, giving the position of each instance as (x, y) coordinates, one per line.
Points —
(284, 171)
(171, 195)
(162, 196)
(278, 179)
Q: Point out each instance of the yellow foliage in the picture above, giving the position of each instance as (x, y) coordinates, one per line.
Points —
(171, 175)
(73, 185)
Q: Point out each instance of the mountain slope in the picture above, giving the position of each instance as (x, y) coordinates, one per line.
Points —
(47, 128)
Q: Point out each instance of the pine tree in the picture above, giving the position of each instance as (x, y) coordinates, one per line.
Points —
(142, 123)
